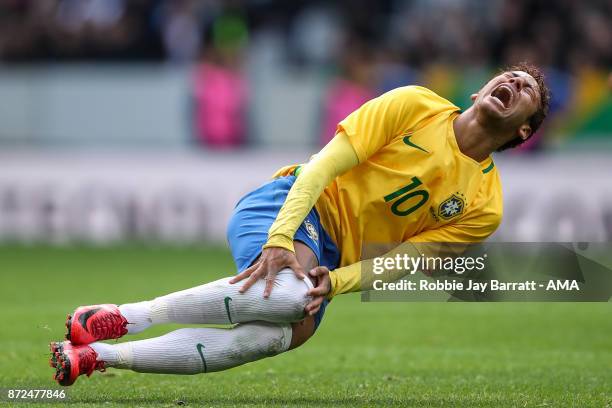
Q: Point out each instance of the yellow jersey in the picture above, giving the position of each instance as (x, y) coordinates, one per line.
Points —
(412, 182)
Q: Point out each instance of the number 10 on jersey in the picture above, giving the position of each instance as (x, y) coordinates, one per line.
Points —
(406, 193)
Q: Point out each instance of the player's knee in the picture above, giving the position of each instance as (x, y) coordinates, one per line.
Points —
(272, 338)
(291, 294)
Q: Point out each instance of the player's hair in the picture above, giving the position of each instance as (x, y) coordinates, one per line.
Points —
(538, 117)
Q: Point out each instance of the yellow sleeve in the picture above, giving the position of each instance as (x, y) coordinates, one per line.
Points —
(337, 157)
(377, 122)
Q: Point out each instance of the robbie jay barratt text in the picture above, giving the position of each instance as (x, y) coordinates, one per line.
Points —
(472, 285)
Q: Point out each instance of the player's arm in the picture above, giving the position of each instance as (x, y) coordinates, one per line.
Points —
(337, 157)
(359, 276)
(475, 227)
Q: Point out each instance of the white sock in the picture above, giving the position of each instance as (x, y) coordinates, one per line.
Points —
(219, 302)
(193, 351)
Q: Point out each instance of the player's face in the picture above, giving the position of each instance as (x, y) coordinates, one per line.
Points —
(511, 97)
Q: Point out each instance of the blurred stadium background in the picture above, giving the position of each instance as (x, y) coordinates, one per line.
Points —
(148, 119)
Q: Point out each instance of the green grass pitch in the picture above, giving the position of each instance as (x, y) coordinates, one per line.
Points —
(364, 354)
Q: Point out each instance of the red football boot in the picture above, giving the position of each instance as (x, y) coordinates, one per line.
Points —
(94, 323)
(71, 361)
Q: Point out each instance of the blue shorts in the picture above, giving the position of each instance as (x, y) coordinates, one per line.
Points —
(253, 216)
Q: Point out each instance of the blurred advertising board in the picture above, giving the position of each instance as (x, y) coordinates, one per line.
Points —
(188, 198)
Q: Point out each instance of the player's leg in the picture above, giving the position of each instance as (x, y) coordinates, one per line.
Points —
(187, 351)
(303, 329)
(219, 302)
(183, 351)
(216, 302)
(176, 352)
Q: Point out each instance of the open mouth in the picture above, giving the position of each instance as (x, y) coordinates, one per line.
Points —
(504, 94)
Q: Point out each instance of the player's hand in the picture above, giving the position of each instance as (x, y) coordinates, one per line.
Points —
(319, 292)
(271, 261)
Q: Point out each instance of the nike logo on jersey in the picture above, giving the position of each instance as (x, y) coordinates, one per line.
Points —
(409, 143)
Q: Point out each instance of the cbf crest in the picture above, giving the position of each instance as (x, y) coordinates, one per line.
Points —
(451, 207)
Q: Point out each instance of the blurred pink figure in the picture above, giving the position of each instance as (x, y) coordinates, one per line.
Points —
(220, 105)
(351, 89)
(343, 97)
